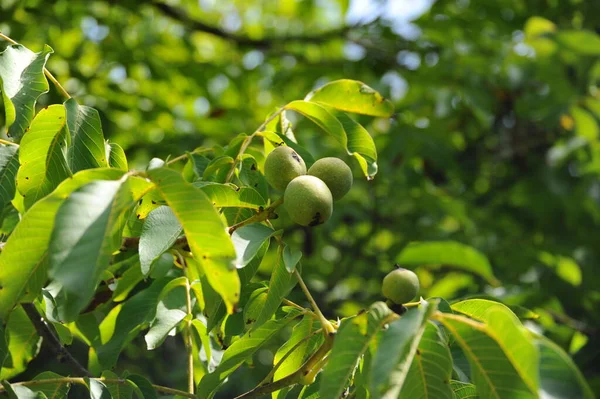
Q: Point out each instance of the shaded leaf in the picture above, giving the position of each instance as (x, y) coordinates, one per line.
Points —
(247, 240)
(9, 164)
(98, 390)
(160, 231)
(116, 156)
(142, 386)
(23, 344)
(291, 257)
(52, 390)
(463, 390)
(22, 82)
(582, 41)
(117, 390)
(86, 148)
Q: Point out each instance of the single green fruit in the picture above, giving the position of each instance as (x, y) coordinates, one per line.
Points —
(400, 286)
(335, 173)
(283, 165)
(308, 200)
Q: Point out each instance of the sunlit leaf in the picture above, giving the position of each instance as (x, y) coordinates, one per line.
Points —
(204, 230)
(447, 253)
(9, 163)
(23, 344)
(116, 156)
(463, 390)
(22, 81)
(581, 41)
(227, 196)
(352, 96)
(42, 155)
(248, 240)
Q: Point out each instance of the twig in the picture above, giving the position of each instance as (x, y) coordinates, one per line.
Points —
(51, 77)
(81, 381)
(188, 330)
(6, 142)
(48, 335)
(241, 40)
(261, 216)
(327, 326)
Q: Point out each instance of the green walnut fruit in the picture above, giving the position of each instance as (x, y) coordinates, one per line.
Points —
(283, 165)
(400, 286)
(308, 200)
(335, 173)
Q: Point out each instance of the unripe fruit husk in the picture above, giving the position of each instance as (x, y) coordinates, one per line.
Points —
(400, 286)
(308, 201)
(335, 173)
(283, 165)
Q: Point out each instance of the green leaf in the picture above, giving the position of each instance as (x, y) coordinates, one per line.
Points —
(195, 167)
(9, 164)
(52, 390)
(128, 281)
(20, 392)
(23, 344)
(291, 257)
(585, 124)
(116, 156)
(559, 376)
(117, 390)
(228, 196)
(351, 341)
(3, 345)
(250, 176)
(23, 259)
(396, 350)
(492, 370)
(86, 149)
(87, 231)
(22, 81)
(431, 368)
(166, 320)
(247, 241)
(356, 140)
(297, 347)
(251, 268)
(582, 41)
(125, 318)
(98, 390)
(352, 96)
(142, 386)
(447, 253)
(205, 232)
(240, 351)
(160, 231)
(509, 334)
(280, 285)
(463, 390)
(43, 163)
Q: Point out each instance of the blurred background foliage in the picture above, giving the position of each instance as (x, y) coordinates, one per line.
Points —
(495, 141)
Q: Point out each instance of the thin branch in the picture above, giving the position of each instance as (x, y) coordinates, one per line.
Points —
(51, 77)
(188, 329)
(81, 381)
(6, 142)
(48, 335)
(260, 216)
(243, 40)
(327, 326)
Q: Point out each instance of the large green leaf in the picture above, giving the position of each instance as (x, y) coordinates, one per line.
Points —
(206, 234)
(87, 231)
(509, 333)
(352, 96)
(20, 392)
(160, 231)
(351, 341)
(86, 148)
(356, 141)
(42, 155)
(9, 164)
(22, 81)
(169, 312)
(492, 370)
(448, 253)
(240, 351)
(23, 344)
(117, 390)
(431, 368)
(559, 376)
(23, 259)
(396, 350)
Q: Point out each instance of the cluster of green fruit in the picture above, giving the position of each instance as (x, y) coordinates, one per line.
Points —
(308, 195)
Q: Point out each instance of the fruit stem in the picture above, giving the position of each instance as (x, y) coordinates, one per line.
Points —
(261, 216)
(247, 142)
(6, 142)
(327, 326)
(58, 86)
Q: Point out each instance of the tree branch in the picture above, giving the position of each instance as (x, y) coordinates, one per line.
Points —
(48, 335)
(243, 40)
